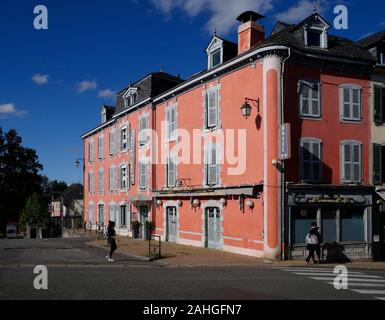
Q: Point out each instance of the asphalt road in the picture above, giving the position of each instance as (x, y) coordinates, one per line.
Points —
(77, 271)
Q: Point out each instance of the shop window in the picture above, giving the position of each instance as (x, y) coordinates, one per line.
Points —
(329, 225)
(352, 225)
(302, 218)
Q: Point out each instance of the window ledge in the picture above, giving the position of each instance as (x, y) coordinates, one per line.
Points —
(351, 121)
(311, 118)
(212, 129)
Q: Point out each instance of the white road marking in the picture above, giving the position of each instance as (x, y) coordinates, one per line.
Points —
(315, 269)
(369, 285)
(336, 274)
(376, 292)
(350, 280)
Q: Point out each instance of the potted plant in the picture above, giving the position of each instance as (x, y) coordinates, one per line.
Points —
(136, 225)
(149, 228)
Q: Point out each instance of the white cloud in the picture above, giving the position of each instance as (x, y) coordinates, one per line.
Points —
(223, 13)
(87, 85)
(106, 94)
(40, 79)
(8, 110)
(301, 11)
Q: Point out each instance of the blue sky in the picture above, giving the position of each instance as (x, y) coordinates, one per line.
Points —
(53, 82)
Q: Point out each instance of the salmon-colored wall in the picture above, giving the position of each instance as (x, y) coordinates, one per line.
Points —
(113, 196)
(329, 128)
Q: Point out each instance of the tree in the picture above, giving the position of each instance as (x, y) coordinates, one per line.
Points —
(35, 209)
(19, 176)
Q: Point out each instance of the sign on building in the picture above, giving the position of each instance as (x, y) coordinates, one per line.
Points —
(284, 142)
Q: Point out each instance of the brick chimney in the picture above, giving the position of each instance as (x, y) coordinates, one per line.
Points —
(251, 31)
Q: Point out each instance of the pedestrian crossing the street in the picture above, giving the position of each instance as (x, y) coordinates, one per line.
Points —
(358, 282)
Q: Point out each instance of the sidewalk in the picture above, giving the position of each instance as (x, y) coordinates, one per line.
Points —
(176, 255)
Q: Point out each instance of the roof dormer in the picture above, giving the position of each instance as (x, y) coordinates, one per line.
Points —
(106, 113)
(130, 96)
(215, 52)
(316, 32)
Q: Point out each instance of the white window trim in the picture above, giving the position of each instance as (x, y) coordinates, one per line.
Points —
(351, 87)
(143, 132)
(91, 151)
(120, 139)
(311, 141)
(120, 177)
(104, 115)
(323, 36)
(301, 83)
(352, 143)
(174, 157)
(129, 97)
(145, 162)
(101, 147)
(217, 88)
(171, 137)
(215, 45)
(101, 181)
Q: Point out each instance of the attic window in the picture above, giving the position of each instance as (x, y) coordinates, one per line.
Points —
(104, 115)
(215, 52)
(314, 38)
(381, 56)
(216, 58)
(131, 97)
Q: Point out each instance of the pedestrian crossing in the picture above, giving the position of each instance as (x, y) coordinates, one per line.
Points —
(358, 282)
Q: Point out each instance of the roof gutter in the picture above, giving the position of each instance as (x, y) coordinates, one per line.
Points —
(223, 67)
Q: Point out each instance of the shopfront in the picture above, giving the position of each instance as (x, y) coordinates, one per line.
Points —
(379, 225)
(343, 214)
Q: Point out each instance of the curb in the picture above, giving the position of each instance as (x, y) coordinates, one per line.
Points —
(121, 252)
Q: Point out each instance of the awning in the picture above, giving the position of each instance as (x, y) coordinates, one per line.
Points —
(246, 191)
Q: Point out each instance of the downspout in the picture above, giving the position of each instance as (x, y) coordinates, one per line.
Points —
(154, 160)
(283, 201)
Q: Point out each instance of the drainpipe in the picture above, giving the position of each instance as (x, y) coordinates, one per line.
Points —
(154, 160)
(283, 202)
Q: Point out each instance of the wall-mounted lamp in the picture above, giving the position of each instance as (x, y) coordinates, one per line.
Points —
(250, 204)
(196, 203)
(179, 203)
(159, 203)
(223, 201)
(246, 107)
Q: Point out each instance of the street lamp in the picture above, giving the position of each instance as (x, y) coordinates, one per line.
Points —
(246, 107)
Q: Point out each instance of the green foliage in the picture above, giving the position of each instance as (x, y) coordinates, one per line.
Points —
(35, 208)
(19, 176)
(136, 225)
(149, 226)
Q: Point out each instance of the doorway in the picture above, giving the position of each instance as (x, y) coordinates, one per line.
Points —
(143, 217)
(213, 228)
(172, 224)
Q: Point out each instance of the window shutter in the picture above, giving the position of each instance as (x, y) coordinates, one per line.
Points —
(168, 126)
(133, 157)
(304, 98)
(147, 176)
(316, 176)
(120, 178)
(356, 162)
(119, 140)
(377, 164)
(206, 103)
(377, 105)
(147, 119)
(91, 152)
(347, 160)
(127, 176)
(383, 104)
(172, 122)
(212, 109)
(129, 136)
(142, 175)
(213, 164)
(171, 171)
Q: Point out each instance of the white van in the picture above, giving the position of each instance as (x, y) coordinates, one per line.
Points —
(11, 231)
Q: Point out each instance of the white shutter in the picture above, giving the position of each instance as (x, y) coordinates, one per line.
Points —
(133, 157)
(347, 162)
(119, 140)
(212, 108)
(213, 165)
(120, 178)
(171, 171)
(168, 126)
(356, 163)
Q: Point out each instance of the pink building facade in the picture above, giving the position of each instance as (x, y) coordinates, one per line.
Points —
(202, 158)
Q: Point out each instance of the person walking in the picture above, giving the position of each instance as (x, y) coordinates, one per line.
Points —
(111, 240)
(313, 240)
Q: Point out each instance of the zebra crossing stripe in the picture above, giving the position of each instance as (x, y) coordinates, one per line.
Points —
(331, 273)
(322, 270)
(369, 285)
(374, 292)
(350, 280)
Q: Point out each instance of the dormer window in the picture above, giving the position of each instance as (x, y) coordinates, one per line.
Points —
(381, 56)
(104, 115)
(316, 38)
(215, 52)
(130, 97)
(316, 32)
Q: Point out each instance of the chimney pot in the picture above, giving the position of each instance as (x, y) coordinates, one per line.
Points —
(250, 32)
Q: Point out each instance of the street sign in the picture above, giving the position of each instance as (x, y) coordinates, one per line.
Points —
(284, 142)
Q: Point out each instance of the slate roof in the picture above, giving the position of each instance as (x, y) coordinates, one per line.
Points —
(293, 36)
(371, 40)
(149, 86)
